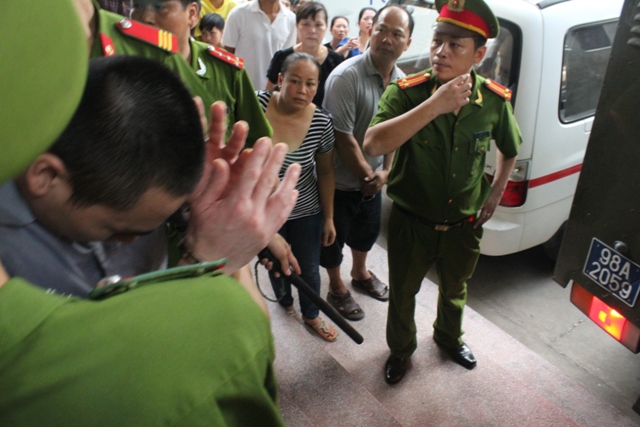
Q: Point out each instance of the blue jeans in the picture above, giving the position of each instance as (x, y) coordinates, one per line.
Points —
(304, 235)
(357, 223)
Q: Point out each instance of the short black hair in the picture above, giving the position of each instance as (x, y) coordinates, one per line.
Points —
(136, 128)
(211, 21)
(400, 6)
(335, 18)
(186, 3)
(310, 10)
(478, 41)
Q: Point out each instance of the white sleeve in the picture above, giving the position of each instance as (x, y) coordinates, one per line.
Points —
(293, 34)
(232, 29)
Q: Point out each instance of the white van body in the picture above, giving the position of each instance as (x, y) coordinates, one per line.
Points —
(553, 54)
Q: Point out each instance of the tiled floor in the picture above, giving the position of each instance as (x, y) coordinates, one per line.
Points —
(341, 383)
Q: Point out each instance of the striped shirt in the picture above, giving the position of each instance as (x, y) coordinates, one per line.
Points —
(319, 140)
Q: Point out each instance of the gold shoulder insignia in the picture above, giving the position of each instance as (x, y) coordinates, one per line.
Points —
(225, 56)
(499, 89)
(162, 39)
(413, 80)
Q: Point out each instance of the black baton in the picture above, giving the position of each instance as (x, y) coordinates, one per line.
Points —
(315, 298)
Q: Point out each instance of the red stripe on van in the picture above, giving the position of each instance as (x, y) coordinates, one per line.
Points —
(554, 176)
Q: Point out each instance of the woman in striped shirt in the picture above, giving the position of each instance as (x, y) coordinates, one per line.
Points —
(308, 131)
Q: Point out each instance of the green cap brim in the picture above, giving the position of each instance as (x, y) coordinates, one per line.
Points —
(44, 67)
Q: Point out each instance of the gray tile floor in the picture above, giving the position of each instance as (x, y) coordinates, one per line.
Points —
(341, 383)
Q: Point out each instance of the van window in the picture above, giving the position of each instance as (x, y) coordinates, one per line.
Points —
(586, 53)
(501, 63)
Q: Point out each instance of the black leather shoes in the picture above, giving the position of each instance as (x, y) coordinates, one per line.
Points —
(461, 355)
(394, 369)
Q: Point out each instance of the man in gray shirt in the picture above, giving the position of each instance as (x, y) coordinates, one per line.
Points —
(352, 93)
(31, 251)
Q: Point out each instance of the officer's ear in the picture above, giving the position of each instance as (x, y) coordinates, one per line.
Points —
(45, 174)
(194, 14)
(479, 55)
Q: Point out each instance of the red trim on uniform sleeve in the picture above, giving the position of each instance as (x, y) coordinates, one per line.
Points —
(108, 49)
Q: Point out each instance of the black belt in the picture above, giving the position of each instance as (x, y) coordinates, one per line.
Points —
(438, 226)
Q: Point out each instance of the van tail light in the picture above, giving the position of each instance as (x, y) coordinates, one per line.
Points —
(612, 322)
(516, 192)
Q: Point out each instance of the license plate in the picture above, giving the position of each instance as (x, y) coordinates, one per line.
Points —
(613, 271)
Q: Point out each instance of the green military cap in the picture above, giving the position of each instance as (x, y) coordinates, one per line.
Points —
(473, 15)
(44, 66)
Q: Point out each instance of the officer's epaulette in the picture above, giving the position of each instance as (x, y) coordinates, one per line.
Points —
(160, 38)
(114, 285)
(225, 56)
(108, 48)
(413, 80)
(499, 89)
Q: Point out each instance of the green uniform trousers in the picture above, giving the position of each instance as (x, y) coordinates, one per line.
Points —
(412, 249)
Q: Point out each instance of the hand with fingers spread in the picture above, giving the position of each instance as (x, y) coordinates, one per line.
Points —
(234, 211)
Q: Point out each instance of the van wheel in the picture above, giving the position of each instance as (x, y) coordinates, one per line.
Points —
(552, 246)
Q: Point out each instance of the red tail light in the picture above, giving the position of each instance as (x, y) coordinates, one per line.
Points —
(614, 323)
(515, 194)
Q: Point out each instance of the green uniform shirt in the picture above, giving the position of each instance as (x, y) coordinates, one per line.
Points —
(439, 173)
(230, 84)
(126, 45)
(186, 352)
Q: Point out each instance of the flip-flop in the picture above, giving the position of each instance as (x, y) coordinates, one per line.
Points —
(346, 305)
(372, 286)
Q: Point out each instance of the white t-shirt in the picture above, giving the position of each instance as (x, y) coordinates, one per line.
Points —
(256, 39)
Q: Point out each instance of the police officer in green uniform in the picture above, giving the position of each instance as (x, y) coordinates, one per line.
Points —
(185, 347)
(441, 122)
(221, 72)
(111, 34)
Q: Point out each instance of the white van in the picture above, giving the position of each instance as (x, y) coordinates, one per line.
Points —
(553, 55)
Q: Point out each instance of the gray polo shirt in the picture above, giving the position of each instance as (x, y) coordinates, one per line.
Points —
(351, 96)
(29, 251)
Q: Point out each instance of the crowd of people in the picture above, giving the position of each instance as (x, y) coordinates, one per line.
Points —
(158, 177)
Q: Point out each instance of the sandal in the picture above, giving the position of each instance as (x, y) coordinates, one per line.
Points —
(346, 305)
(373, 286)
(322, 328)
